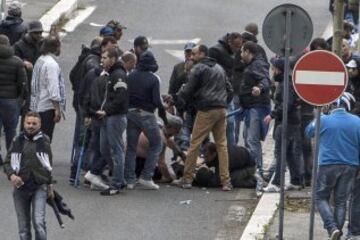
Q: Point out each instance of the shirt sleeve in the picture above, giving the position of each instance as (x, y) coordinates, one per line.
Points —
(52, 79)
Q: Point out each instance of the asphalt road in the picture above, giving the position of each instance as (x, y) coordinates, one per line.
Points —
(142, 214)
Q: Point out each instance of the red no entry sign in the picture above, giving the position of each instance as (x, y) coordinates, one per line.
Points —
(320, 77)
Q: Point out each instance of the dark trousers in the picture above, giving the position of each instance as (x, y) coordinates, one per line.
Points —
(47, 122)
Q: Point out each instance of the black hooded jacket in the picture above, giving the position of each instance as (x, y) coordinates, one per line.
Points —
(109, 93)
(13, 28)
(223, 55)
(256, 73)
(207, 87)
(144, 85)
(12, 74)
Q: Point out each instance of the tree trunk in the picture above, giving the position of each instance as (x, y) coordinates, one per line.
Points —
(338, 26)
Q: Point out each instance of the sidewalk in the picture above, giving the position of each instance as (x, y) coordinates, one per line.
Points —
(264, 223)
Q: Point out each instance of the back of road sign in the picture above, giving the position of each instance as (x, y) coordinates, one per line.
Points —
(274, 29)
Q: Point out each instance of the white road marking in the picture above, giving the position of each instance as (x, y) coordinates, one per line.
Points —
(81, 15)
(179, 54)
(96, 24)
(320, 78)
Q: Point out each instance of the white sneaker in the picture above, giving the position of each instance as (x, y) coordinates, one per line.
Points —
(271, 188)
(130, 186)
(96, 180)
(149, 184)
(290, 187)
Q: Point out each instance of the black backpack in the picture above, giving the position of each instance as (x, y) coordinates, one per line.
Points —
(77, 72)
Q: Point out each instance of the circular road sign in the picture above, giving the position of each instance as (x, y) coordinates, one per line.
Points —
(274, 29)
(320, 77)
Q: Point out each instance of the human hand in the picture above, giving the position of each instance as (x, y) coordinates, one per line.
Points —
(101, 113)
(256, 91)
(267, 119)
(16, 181)
(87, 122)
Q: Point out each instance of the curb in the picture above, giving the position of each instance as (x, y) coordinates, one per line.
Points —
(268, 203)
(62, 9)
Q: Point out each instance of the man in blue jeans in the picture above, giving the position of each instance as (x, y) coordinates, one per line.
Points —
(109, 107)
(12, 88)
(144, 99)
(338, 162)
(28, 166)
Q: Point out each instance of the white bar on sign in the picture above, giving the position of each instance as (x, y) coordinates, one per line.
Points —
(320, 78)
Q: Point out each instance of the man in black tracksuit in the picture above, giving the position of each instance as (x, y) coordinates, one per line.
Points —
(108, 108)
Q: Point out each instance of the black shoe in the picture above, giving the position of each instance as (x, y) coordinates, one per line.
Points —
(110, 191)
(104, 178)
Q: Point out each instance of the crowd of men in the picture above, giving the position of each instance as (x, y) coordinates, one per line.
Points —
(117, 92)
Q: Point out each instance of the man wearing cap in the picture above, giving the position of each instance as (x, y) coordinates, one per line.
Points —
(293, 159)
(13, 25)
(117, 29)
(28, 50)
(178, 78)
(12, 88)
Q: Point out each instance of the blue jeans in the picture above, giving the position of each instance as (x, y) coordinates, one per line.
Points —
(338, 179)
(31, 206)
(254, 133)
(111, 138)
(354, 219)
(98, 162)
(142, 121)
(9, 115)
(293, 154)
(230, 126)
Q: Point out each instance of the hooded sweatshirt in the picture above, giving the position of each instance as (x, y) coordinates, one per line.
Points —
(144, 84)
(13, 28)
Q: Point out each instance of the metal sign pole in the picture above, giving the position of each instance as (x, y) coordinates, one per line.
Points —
(2, 9)
(284, 122)
(314, 172)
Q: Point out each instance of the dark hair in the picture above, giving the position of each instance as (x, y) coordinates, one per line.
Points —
(252, 28)
(251, 47)
(234, 35)
(108, 39)
(204, 49)
(112, 53)
(50, 45)
(142, 42)
(33, 114)
(318, 43)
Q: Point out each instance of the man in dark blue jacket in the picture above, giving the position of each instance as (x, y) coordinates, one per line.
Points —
(144, 99)
(13, 25)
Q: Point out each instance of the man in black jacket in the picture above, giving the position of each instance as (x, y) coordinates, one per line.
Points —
(28, 166)
(208, 89)
(13, 25)
(224, 54)
(109, 105)
(12, 88)
(293, 157)
(255, 99)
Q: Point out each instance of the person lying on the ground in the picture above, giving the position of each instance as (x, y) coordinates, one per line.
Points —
(241, 167)
(164, 172)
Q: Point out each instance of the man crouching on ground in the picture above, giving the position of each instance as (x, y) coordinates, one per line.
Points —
(28, 167)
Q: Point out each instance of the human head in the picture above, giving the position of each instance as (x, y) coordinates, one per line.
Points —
(346, 101)
(51, 45)
(14, 9)
(106, 31)
(353, 69)
(141, 44)
(107, 43)
(248, 51)
(235, 41)
(32, 123)
(4, 40)
(109, 58)
(252, 28)
(174, 125)
(129, 61)
(248, 37)
(210, 152)
(277, 66)
(35, 30)
(199, 52)
(187, 50)
(348, 28)
(345, 50)
(318, 44)
(117, 28)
